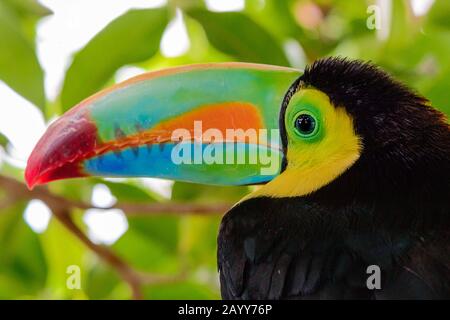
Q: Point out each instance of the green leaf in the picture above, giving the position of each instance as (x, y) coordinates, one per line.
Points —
(162, 230)
(439, 14)
(131, 38)
(129, 192)
(28, 7)
(143, 250)
(189, 192)
(62, 249)
(73, 189)
(198, 240)
(238, 35)
(150, 243)
(101, 281)
(19, 66)
(22, 260)
(438, 92)
(3, 140)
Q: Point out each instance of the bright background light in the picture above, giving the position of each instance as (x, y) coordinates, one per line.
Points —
(102, 197)
(175, 40)
(21, 122)
(105, 226)
(127, 72)
(225, 5)
(421, 7)
(37, 215)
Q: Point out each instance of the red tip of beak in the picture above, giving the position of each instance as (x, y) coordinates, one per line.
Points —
(60, 151)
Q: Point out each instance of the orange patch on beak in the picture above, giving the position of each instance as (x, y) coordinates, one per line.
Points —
(222, 116)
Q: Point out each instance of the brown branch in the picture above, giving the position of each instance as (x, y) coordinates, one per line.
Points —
(8, 201)
(171, 208)
(61, 206)
(135, 279)
(19, 190)
(124, 270)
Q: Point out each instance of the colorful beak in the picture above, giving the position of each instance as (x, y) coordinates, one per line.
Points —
(211, 123)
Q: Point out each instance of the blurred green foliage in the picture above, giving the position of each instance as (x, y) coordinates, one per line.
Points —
(293, 32)
(19, 66)
(121, 43)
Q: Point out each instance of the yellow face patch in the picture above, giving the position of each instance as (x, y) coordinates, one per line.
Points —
(322, 144)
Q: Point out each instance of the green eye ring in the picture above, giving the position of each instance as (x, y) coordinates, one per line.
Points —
(306, 124)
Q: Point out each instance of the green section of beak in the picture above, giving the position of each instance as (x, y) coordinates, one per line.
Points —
(147, 102)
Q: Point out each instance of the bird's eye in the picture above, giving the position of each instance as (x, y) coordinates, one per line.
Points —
(306, 124)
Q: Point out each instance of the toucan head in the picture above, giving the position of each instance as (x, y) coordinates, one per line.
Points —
(352, 132)
(239, 124)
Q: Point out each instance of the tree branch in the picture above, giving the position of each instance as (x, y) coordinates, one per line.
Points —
(61, 207)
(19, 190)
(124, 270)
(8, 201)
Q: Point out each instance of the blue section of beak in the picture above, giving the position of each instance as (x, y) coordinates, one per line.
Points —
(214, 163)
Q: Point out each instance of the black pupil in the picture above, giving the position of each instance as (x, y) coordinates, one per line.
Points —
(305, 123)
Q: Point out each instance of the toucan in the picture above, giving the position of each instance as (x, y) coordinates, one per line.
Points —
(352, 170)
